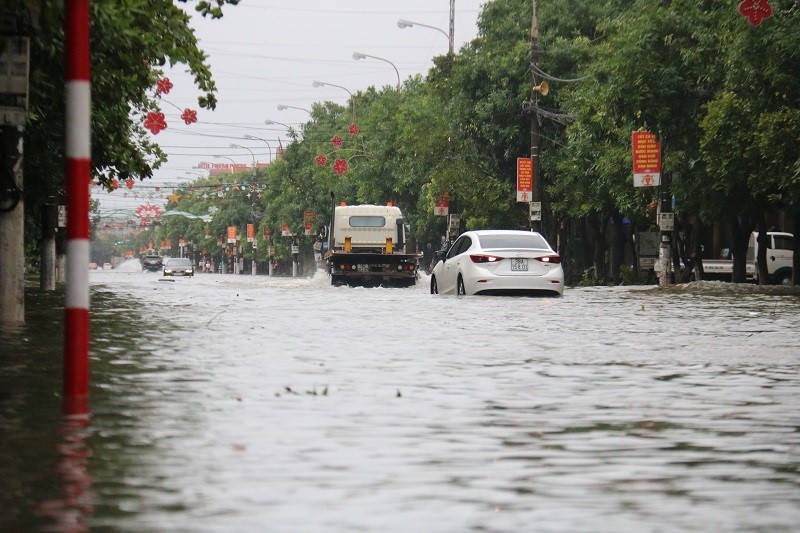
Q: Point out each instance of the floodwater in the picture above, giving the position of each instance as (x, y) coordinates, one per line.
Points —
(242, 403)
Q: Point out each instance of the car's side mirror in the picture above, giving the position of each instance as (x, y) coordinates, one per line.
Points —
(440, 254)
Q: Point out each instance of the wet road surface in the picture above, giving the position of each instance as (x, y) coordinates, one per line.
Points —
(240, 403)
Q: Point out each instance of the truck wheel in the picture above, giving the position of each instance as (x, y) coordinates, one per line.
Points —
(434, 286)
(462, 291)
(784, 277)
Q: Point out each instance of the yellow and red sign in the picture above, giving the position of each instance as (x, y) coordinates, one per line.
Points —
(646, 159)
(251, 232)
(524, 179)
(232, 232)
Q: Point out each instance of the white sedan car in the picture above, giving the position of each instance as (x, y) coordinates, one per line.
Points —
(498, 262)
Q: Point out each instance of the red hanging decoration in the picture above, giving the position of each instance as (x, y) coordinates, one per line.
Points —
(755, 11)
(129, 183)
(336, 141)
(163, 86)
(340, 166)
(321, 160)
(114, 184)
(354, 129)
(155, 122)
(189, 116)
(147, 212)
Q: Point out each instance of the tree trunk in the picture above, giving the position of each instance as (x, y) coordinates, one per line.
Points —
(596, 223)
(741, 229)
(12, 230)
(761, 257)
(796, 256)
(617, 247)
(697, 248)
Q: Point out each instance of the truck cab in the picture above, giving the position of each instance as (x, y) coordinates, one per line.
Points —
(780, 253)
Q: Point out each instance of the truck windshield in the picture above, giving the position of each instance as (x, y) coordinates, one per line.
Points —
(367, 222)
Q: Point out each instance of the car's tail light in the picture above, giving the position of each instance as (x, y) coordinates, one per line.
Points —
(482, 258)
(555, 259)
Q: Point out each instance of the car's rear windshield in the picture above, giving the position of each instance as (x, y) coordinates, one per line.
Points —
(181, 263)
(519, 240)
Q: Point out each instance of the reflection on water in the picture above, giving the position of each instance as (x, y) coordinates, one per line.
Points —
(70, 511)
(239, 403)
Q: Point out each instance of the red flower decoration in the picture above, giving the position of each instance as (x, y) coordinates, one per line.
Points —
(755, 11)
(129, 183)
(114, 184)
(340, 166)
(155, 122)
(321, 160)
(163, 86)
(189, 116)
(336, 141)
(354, 129)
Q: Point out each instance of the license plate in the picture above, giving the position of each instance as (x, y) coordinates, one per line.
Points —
(519, 264)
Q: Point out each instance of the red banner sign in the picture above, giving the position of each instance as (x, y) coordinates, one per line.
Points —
(646, 159)
(524, 179)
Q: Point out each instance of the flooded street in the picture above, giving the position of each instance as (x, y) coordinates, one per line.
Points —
(242, 403)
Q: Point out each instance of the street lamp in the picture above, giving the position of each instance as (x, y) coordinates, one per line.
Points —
(233, 163)
(281, 107)
(359, 55)
(254, 138)
(195, 173)
(352, 98)
(269, 122)
(255, 167)
(403, 23)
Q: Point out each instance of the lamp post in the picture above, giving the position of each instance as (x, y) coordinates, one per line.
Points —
(233, 163)
(281, 107)
(254, 264)
(270, 122)
(403, 23)
(352, 98)
(195, 173)
(359, 55)
(255, 167)
(269, 148)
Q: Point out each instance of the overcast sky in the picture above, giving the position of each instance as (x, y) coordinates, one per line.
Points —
(266, 53)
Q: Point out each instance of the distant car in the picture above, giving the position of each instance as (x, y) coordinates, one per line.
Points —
(107, 266)
(93, 266)
(152, 262)
(179, 266)
(498, 262)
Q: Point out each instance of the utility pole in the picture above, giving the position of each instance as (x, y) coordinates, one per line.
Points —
(537, 189)
(666, 224)
(452, 35)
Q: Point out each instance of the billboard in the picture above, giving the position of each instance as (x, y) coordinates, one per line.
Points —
(646, 159)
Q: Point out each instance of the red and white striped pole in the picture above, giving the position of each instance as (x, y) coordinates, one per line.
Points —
(78, 143)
